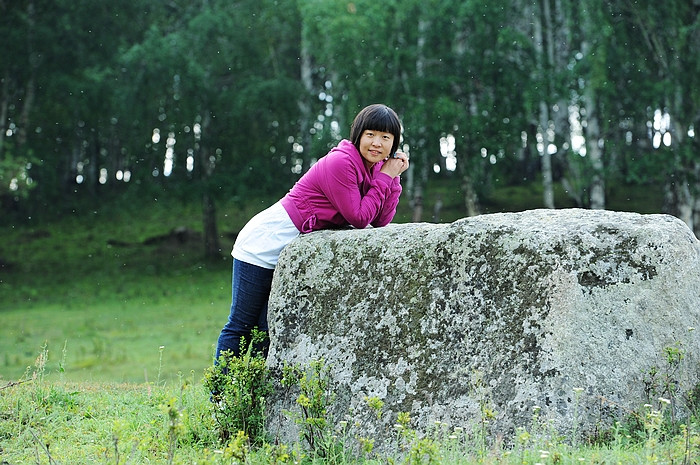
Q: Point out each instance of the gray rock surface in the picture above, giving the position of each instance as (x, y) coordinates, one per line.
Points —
(565, 310)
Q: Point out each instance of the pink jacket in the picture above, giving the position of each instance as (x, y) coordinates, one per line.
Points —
(338, 191)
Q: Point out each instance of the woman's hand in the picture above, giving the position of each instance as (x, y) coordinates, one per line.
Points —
(394, 166)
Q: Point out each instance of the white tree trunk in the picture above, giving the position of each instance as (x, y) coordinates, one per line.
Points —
(594, 143)
(684, 197)
(594, 150)
(547, 179)
(304, 103)
(538, 18)
(471, 200)
(422, 146)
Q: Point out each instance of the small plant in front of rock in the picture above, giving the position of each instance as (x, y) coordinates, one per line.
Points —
(412, 447)
(661, 389)
(239, 387)
(175, 427)
(486, 409)
(313, 400)
(405, 435)
(373, 413)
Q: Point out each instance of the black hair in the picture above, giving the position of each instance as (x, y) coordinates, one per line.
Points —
(376, 117)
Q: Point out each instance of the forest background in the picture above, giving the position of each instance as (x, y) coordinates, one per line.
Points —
(111, 109)
(216, 100)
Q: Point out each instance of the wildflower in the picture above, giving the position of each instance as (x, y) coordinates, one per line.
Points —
(663, 400)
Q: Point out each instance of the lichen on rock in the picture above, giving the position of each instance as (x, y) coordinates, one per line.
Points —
(534, 305)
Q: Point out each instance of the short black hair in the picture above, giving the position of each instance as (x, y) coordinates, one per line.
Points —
(376, 117)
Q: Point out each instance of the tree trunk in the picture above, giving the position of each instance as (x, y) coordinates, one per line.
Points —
(212, 249)
(685, 161)
(539, 20)
(681, 194)
(30, 86)
(594, 150)
(437, 209)
(4, 103)
(417, 205)
(547, 178)
(471, 201)
(210, 235)
(419, 183)
(304, 104)
(547, 34)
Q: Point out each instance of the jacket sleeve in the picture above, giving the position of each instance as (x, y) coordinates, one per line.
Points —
(342, 188)
(388, 209)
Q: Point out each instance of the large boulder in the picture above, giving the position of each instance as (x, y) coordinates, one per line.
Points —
(584, 314)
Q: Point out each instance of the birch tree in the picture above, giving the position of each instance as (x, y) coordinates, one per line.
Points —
(669, 43)
(216, 80)
(593, 51)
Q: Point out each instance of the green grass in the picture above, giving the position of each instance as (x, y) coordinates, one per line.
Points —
(106, 423)
(45, 422)
(111, 307)
(129, 330)
(67, 285)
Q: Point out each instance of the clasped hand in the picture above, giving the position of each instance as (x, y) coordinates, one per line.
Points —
(394, 166)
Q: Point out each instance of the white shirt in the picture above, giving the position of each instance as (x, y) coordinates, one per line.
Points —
(262, 239)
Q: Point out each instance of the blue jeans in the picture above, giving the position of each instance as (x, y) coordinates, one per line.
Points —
(250, 291)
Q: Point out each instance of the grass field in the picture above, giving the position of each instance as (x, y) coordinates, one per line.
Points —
(105, 335)
(106, 312)
(110, 308)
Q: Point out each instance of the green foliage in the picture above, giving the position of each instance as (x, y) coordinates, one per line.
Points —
(313, 400)
(14, 175)
(239, 387)
(99, 321)
(272, 85)
(88, 285)
(49, 422)
(44, 422)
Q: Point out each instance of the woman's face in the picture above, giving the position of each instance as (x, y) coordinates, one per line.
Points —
(375, 146)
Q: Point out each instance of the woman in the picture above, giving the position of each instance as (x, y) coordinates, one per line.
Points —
(356, 184)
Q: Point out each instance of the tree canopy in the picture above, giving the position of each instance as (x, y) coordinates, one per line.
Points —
(215, 98)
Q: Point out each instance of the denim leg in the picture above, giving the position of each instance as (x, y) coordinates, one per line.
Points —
(250, 291)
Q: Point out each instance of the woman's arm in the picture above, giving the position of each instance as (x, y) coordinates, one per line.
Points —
(388, 209)
(342, 189)
(393, 167)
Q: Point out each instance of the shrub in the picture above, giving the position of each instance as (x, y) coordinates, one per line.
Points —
(239, 387)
